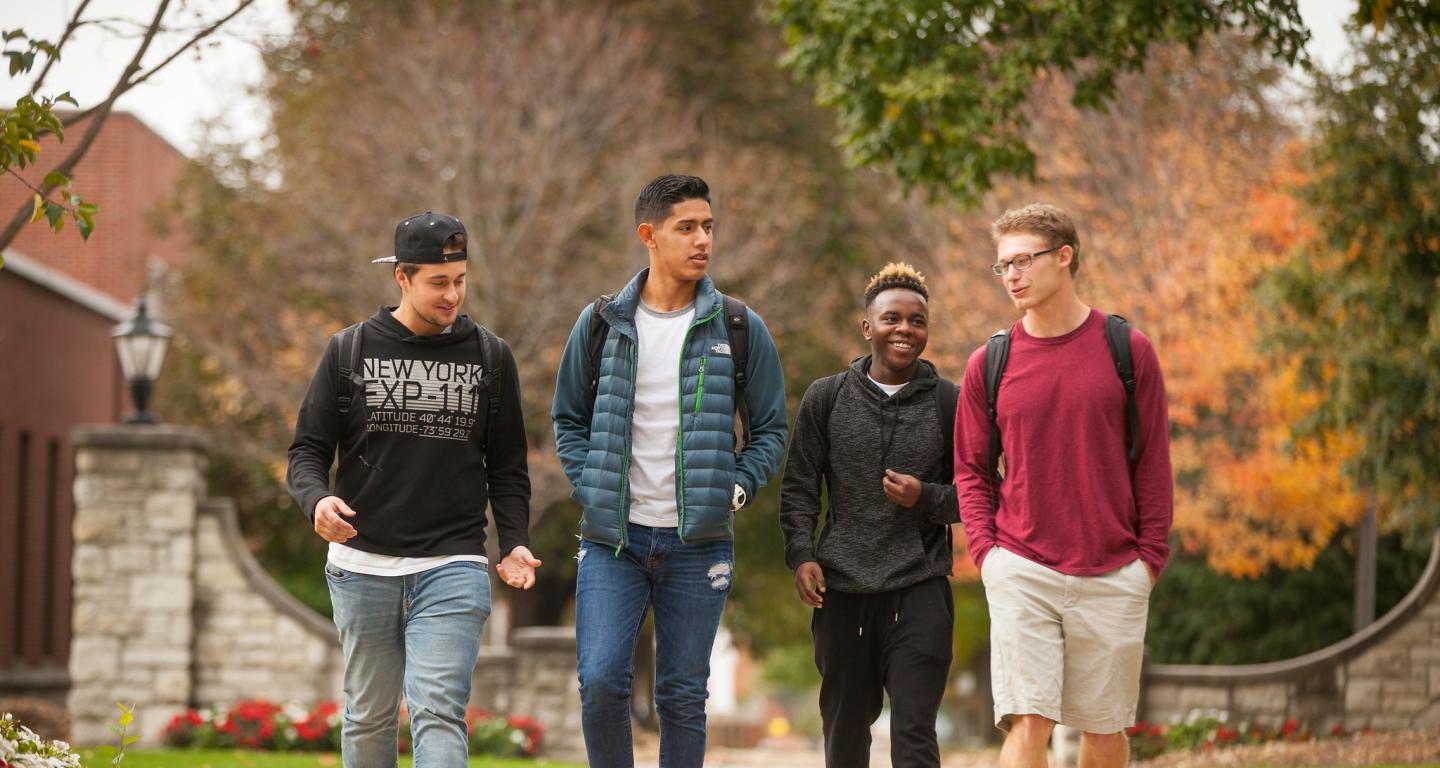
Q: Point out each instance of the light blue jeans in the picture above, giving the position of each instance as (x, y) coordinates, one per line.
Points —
(419, 632)
(687, 585)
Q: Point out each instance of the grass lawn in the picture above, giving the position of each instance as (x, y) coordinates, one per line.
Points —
(223, 758)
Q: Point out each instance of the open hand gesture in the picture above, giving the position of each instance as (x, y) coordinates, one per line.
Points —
(518, 568)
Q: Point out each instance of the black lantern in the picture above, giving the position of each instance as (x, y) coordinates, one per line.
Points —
(140, 342)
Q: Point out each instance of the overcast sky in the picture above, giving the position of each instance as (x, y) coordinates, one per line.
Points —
(221, 80)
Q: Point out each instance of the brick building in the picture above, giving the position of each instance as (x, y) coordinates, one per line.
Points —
(60, 297)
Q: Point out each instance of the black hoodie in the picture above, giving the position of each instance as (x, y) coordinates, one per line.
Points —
(412, 465)
(869, 544)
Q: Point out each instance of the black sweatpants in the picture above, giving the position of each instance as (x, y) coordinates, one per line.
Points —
(866, 645)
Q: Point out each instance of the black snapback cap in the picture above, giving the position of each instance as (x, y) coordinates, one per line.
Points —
(421, 238)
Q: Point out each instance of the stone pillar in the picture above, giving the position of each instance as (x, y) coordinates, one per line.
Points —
(547, 689)
(136, 492)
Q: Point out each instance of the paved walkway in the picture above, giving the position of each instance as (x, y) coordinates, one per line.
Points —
(802, 756)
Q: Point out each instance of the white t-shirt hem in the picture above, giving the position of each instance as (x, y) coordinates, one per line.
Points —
(351, 559)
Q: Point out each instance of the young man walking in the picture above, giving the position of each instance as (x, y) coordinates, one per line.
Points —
(644, 413)
(877, 435)
(424, 408)
(1071, 540)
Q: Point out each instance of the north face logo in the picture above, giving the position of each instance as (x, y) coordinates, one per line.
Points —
(721, 348)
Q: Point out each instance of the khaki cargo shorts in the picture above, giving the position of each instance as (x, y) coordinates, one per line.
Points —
(1065, 647)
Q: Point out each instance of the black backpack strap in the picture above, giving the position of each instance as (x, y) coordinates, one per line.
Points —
(827, 392)
(997, 353)
(351, 385)
(598, 331)
(1117, 335)
(947, 397)
(490, 356)
(737, 327)
(490, 360)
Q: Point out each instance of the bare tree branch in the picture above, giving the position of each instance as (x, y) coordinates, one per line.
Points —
(125, 83)
(65, 36)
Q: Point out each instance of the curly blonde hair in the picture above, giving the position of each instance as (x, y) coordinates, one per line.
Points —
(896, 274)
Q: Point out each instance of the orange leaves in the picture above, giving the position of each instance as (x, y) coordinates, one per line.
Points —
(1271, 502)
(1252, 497)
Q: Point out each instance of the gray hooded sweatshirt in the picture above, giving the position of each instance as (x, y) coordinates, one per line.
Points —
(868, 543)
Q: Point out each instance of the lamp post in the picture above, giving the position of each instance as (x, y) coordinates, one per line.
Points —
(141, 342)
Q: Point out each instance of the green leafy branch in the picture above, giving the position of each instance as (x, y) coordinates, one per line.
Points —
(21, 129)
(33, 117)
(934, 91)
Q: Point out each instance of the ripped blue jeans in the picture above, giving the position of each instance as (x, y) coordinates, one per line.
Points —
(687, 585)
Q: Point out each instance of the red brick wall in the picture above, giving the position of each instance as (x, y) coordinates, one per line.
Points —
(59, 371)
(127, 172)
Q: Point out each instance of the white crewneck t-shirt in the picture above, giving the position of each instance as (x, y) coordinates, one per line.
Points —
(888, 389)
(655, 426)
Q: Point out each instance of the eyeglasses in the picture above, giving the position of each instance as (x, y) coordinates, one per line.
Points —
(1022, 262)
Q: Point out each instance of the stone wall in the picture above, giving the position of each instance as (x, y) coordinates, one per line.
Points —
(172, 611)
(547, 689)
(252, 639)
(1386, 676)
(136, 492)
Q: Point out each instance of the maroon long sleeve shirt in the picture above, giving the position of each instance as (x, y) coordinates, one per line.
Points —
(1067, 501)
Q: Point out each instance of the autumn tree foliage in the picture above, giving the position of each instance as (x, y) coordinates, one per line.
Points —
(1358, 304)
(1179, 188)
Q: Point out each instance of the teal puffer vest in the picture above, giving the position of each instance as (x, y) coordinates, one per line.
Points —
(705, 453)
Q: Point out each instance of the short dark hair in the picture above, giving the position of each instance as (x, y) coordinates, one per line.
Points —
(657, 200)
(896, 274)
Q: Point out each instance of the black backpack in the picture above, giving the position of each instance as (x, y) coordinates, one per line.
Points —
(737, 327)
(997, 354)
(352, 339)
(946, 396)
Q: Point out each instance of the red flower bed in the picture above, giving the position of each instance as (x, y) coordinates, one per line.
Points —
(264, 725)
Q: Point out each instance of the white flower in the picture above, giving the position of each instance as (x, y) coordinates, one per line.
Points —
(22, 748)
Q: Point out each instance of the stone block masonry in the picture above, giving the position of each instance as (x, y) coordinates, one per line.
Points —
(172, 612)
(136, 489)
(1386, 676)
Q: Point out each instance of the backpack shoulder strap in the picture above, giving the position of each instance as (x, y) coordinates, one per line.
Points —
(997, 354)
(737, 328)
(598, 332)
(489, 345)
(947, 397)
(351, 385)
(1117, 335)
(827, 392)
(490, 362)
